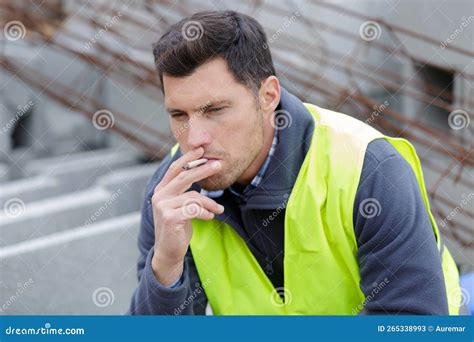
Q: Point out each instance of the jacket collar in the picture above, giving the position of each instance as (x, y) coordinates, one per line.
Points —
(295, 130)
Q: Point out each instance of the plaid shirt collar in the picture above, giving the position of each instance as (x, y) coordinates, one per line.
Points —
(256, 181)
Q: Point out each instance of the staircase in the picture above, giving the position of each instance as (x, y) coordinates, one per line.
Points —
(68, 232)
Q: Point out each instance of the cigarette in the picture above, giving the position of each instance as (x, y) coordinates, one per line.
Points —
(194, 163)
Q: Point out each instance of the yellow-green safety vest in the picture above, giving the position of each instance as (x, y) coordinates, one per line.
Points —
(321, 271)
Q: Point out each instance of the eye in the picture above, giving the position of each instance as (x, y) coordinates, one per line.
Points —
(178, 116)
(214, 110)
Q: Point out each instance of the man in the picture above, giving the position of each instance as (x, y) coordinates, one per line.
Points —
(297, 210)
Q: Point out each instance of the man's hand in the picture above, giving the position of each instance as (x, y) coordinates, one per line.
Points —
(173, 210)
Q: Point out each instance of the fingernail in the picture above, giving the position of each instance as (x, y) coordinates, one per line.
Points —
(221, 208)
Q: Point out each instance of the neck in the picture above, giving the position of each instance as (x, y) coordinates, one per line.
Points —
(256, 165)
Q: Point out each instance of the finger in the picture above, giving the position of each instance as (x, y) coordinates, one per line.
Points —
(176, 167)
(193, 197)
(184, 180)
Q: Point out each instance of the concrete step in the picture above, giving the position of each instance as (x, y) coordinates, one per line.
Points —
(130, 182)
(20, 221)
(85, 270)
(30, 189)
(80, 170)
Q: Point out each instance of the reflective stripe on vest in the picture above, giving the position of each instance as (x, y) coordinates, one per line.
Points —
(321, 272)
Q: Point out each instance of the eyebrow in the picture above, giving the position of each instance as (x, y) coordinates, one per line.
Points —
(202, 108)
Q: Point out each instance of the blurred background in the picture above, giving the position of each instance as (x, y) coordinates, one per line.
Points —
(83, 126)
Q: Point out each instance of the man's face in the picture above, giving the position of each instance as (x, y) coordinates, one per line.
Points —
(210, 109)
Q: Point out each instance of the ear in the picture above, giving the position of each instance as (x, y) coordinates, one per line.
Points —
(269, 94)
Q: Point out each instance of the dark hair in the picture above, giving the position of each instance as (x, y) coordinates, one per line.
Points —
(236, 37)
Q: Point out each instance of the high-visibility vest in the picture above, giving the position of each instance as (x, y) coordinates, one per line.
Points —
(321, 271)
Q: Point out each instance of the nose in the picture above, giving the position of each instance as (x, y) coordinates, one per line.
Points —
(198, 134)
